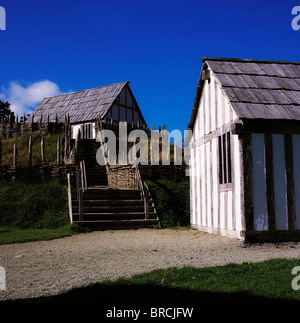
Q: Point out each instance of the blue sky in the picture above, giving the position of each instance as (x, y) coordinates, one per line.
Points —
(53, 47)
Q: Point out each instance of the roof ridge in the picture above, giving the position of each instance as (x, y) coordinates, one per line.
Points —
(95, 88)
(247, 60)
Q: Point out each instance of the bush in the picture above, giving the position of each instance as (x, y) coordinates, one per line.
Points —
(33, 205)
(172, 202)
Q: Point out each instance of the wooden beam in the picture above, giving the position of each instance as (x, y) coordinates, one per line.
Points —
(289, 169)
(15, 155)
(230, 126)
(0, 151)
(267, 126)
(58, 155)
(270, 195)
(30, 152)
(43, 150)
(246, 168)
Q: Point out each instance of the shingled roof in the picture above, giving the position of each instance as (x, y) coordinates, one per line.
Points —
(80, 106)
(256, 89)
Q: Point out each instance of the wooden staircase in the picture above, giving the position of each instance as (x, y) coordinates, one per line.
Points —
(93, 203)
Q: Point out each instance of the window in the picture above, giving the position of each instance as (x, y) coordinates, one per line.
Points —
(224, 159)
(86, 131)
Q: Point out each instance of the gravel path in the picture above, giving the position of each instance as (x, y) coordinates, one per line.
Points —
(49, 267)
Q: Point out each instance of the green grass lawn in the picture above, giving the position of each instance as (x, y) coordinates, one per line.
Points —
(31, 212)
(15, 235)
(268, 281)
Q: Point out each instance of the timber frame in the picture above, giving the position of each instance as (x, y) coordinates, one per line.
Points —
(257, 105)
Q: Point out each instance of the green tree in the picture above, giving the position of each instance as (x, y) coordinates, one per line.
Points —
(5, 112)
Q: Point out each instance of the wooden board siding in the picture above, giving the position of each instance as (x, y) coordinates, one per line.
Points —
(259, 183)
(258, 104)
(279, 182)
(215, 208)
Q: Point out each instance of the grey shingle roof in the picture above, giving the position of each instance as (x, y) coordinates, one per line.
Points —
(257, 89)
(260, 89)
(80, 106)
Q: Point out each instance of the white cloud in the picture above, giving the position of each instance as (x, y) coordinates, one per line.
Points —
(25, 99)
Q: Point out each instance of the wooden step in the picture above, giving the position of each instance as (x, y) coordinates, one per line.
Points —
(113, 203)
(118, 224)
(109, 208)
(114, 216)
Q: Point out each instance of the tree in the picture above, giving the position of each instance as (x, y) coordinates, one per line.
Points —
(5, 112)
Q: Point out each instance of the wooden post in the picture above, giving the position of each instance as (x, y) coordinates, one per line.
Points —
(0, 151)
(66, 139)
(70, 197)
(30, 152)
(78, 136)
(15, 154)
(58, 156)
(43, 150)
(32, 122)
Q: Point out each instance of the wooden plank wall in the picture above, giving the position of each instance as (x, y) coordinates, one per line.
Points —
(262, 202)
(215, 208)
(276, 207)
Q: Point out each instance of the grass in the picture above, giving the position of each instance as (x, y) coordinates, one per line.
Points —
(172, 202)
(15, 235)
(267, 281)
(31, 212)
(23, 141)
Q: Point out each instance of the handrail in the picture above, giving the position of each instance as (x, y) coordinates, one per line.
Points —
(83, 175)
(70, 197)
(144, 191)
(81, 186)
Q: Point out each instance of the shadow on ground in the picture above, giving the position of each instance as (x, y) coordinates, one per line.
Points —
(148, 294)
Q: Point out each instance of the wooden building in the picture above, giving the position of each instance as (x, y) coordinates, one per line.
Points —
(245, 149)
(111, 103)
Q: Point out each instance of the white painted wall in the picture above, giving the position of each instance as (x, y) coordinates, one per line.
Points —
(280, 191)
(259, 182)
(213, 211)
(76, 127)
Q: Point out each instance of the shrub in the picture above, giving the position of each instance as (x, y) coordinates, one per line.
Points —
(172, 202)
(33, 205)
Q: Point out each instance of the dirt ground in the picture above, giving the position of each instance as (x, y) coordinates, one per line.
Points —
(50, 267)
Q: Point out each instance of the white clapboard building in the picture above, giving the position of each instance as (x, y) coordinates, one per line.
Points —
(245, 149)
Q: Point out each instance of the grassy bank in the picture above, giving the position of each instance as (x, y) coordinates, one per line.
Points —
(268, 281)
(172, 202)
(23, 143)
(33, 212)
(15, 235)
